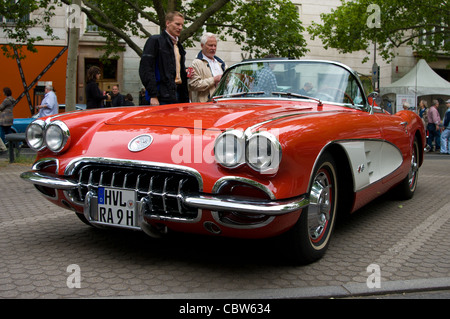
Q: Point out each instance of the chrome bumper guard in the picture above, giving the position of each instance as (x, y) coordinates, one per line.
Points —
(208, 202)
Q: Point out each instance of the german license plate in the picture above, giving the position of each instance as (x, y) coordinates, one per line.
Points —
(116, 206)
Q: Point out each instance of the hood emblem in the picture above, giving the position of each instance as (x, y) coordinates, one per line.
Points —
(140, 143)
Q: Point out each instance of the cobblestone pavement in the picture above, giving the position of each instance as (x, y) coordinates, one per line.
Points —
(42, 246)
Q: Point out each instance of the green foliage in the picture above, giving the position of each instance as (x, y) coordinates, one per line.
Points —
(259, 27)
(16, 24)
(421, 24)
(271, 27)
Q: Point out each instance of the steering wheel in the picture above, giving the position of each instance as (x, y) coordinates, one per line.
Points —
(241, 82)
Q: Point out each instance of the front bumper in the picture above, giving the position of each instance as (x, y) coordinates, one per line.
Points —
(196, 201)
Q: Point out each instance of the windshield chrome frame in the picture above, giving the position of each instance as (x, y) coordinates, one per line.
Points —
(363, 106)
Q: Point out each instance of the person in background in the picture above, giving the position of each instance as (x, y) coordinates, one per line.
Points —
(94, 96)
(117, 99)
(207, 70)
(162, 67)
(423, 112)
(3, 148)
(306, 89)
(406, 106)
(265, 80)
(445, 136)
(49, 105)
(142, 100)
(6, 113)
(128, 101)
(434, 133)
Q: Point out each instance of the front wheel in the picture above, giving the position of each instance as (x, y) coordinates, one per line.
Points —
(310, 236)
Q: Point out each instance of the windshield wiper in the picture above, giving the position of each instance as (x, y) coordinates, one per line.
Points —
(240, 94)
(289, 94)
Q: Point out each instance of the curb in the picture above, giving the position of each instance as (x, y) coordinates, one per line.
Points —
(324, 292)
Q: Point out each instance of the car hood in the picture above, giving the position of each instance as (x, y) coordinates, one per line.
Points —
(218, 115)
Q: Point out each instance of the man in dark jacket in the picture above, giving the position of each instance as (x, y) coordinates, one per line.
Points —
(162, 67)
(117, 99)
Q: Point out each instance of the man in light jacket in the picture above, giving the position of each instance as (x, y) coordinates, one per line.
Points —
(208, 70)
(49, 105)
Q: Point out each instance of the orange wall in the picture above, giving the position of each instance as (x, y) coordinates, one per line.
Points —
(32, 66)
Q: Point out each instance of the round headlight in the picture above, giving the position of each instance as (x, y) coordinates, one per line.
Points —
(56, 136)
(263, 153)
(35, 135)
(229, 149)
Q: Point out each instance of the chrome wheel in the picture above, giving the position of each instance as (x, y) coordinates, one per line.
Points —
(320, 206)
(414, 168)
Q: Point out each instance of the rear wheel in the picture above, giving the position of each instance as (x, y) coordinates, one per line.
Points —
(405, 190)
(310, 237)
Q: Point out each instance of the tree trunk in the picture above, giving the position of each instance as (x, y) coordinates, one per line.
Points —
(74, 23)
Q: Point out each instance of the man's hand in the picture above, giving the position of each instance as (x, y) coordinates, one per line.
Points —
(154, 101)
(217, 79)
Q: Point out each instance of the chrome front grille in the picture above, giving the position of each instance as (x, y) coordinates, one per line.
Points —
(159, 190)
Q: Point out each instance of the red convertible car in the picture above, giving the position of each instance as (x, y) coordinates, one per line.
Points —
(281, 149)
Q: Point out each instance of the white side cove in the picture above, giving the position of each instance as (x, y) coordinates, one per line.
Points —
(371, 160)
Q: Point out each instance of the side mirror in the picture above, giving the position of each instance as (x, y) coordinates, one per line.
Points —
(376, 100)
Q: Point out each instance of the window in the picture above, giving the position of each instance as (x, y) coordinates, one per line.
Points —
(90, 27)
(24, 18)
(108, 68)
(435, 37)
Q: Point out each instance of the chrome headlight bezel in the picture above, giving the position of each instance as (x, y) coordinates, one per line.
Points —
(263, 152)
(35, 135)
(54, 136)
(229, 149)
(57, 136)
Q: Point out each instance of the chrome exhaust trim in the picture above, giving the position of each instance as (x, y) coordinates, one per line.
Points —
(212, 228)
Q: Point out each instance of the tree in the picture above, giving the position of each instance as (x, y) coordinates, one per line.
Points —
(260, 27)
(355, 25)
(16, 24)
(72, 55)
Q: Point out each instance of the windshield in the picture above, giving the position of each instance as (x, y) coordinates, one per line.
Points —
(324, 81)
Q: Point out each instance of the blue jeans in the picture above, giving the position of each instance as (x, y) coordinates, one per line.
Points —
(445, 141)
(433, 135)
(3, 131)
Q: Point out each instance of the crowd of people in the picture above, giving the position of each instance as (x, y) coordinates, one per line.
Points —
(48, 106)
(165, 77)
(163, 70)
(438, 131)
(96, 98)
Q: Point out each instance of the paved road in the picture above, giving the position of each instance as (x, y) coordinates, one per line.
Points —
(44, 248)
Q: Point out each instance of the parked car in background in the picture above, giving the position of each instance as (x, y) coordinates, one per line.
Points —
(20, 124)
(267, 156)
(78, 107)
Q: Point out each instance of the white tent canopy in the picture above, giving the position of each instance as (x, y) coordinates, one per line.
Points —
(421, 80)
